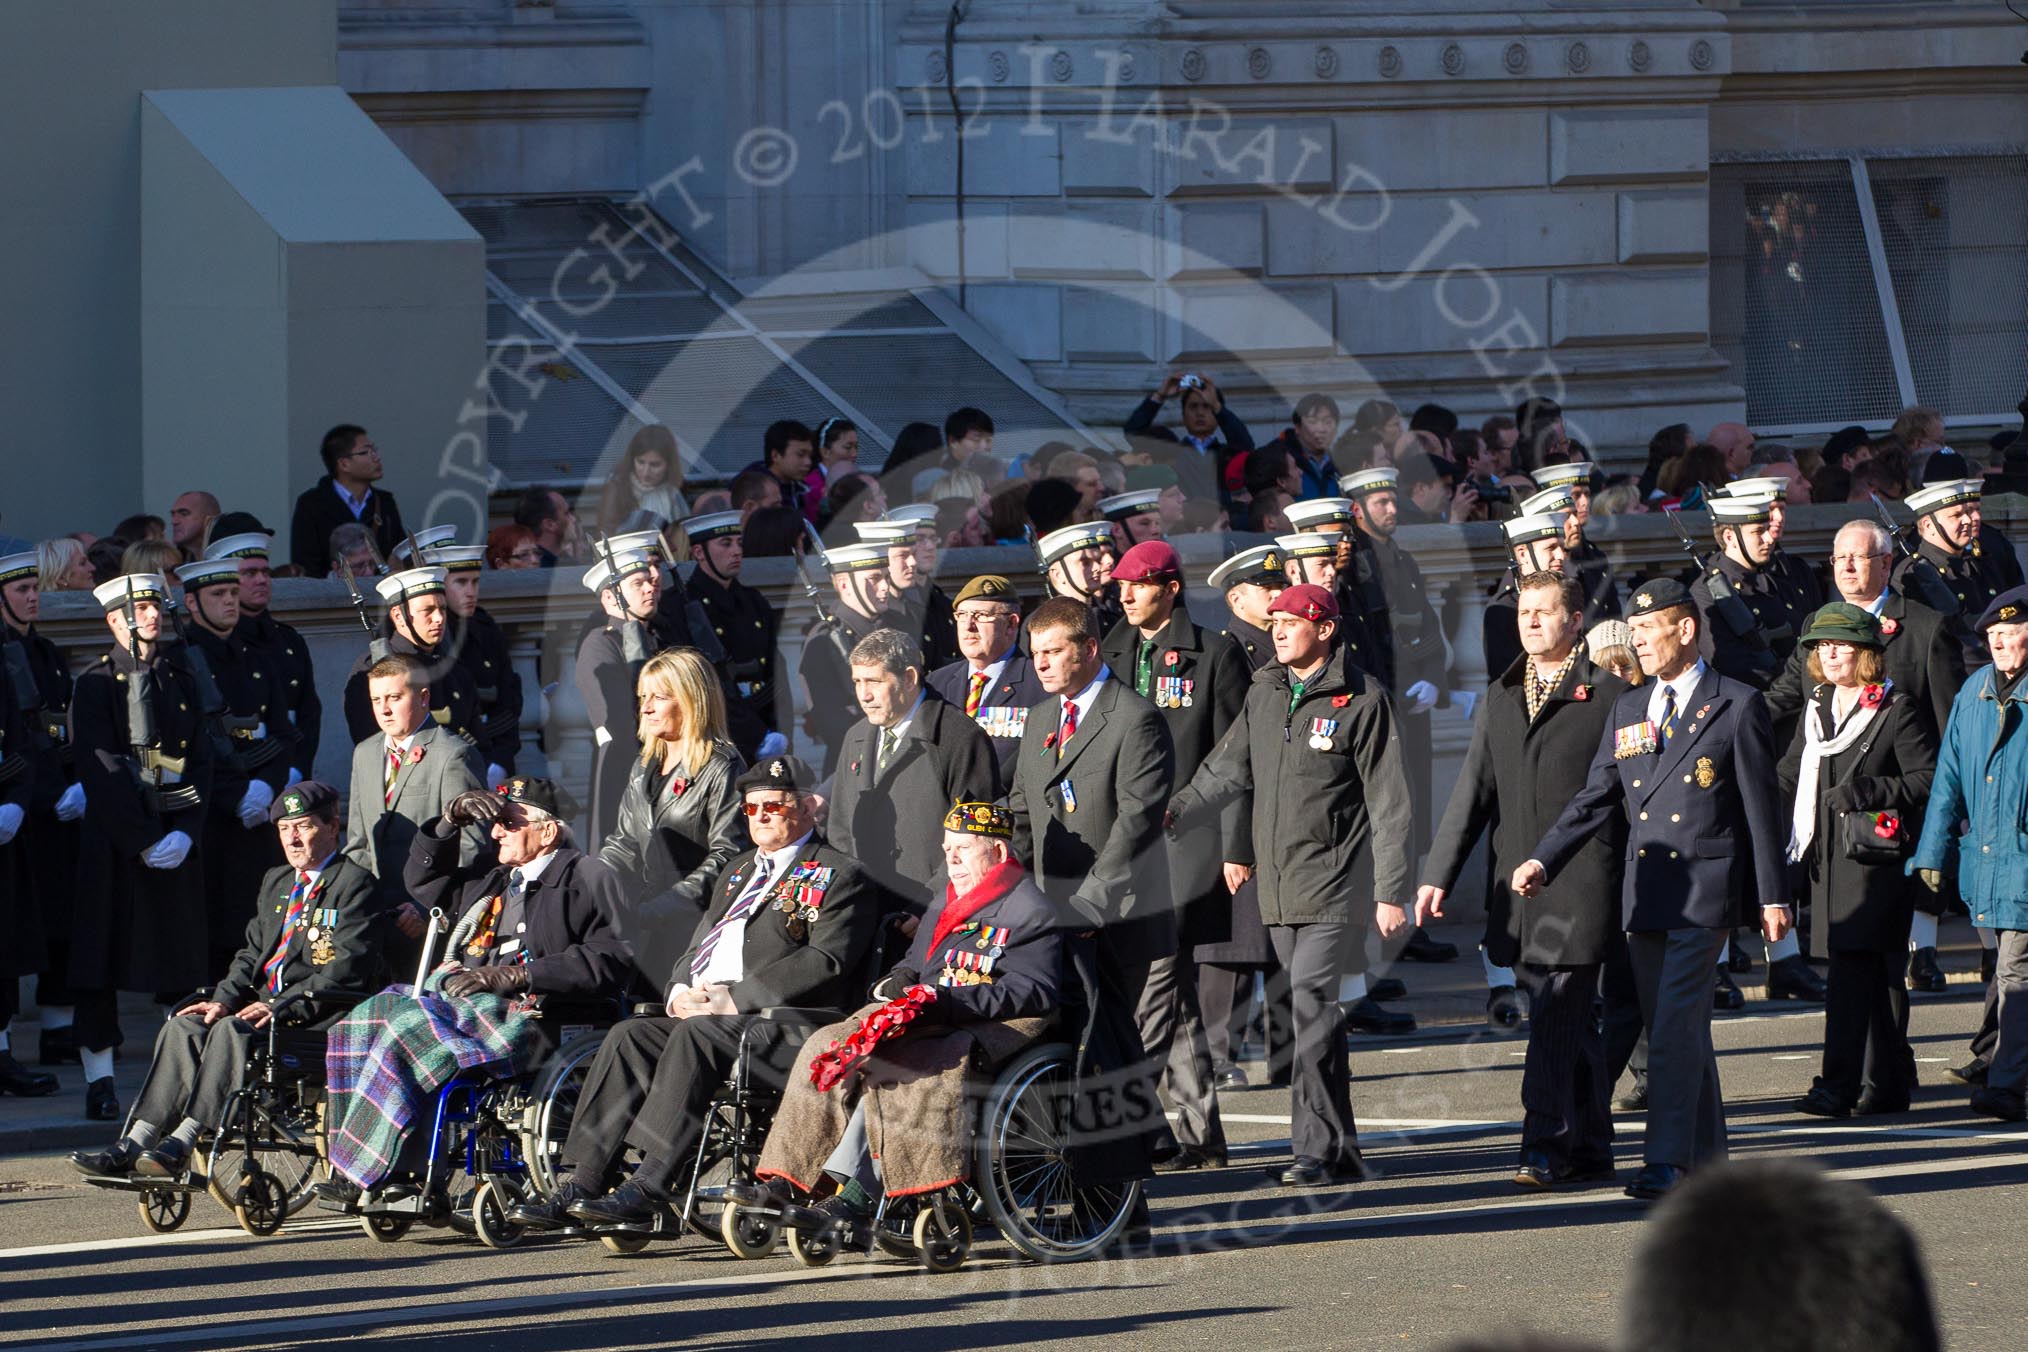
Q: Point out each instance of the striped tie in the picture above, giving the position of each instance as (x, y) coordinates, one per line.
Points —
(1069, 728)
(737, 915)
(1668, 713)
(298, 903)
(393, 770)
(975, 694)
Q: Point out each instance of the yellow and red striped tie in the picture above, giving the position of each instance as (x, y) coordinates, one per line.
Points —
(975, 694)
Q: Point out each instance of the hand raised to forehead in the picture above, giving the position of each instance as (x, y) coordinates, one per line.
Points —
(475, 807)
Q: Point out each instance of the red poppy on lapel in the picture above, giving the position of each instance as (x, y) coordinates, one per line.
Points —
(1580, 692)
(1048, 744)
(1171, 658)
(678, 785)
(415, 755)
(1340, 701)
(1889, 627)
(1872, 697)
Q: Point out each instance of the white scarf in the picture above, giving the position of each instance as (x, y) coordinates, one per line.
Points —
(664, 500)
(1803, 817)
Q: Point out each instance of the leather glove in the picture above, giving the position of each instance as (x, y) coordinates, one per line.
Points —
(896, 983)
(1861, 793)
(774, 744)
(1931, 878)
(70, 805)
(1422, 697)
(475, 807)
(504, 979)
(10, 821)
(254, 803)
(168, 852)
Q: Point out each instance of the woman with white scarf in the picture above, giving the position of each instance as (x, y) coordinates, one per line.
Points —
(1856, 777)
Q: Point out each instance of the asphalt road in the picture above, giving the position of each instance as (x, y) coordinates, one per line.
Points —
(1441, 1246)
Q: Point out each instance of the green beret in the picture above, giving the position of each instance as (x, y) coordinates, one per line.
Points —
(1843, 622)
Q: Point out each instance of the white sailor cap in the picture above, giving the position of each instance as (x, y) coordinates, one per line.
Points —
(398, 587)
(1523, 530)
(1314, 512)
(17, 566)
(636, 542)
(252, 545)
(614, 568)
(712, 526)
(114, 595)
(1068, 540)
(1380, 479)
(1733, 509)
(456, 558)
(425, 540)
(859, 558)
(1120, 506)
(1261, 564)
(886, 534)
(1558, 499)
(1936, 497)
(1307, 545)
(920, 515)
(208, 573)
(1564, 474)
(1762, 485)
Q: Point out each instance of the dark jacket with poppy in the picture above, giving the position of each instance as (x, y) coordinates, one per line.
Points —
(573, 939)
(1003, 706)
(1889, 769)
(789, 957)
(1003, 960)
(349, 942)
(1210, 671)
(1926, 664)
(676, 833)
(1516, 778)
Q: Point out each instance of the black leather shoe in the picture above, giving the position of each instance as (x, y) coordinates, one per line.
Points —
(20, 1081)
(1989, 962)
(1193, 1157)
(1503, 1008)
(1387, 988)
(1793, 979)
(169, 1158)
(58, 1047)
(1421, 948)
(117, 1162)
(1656, 1181)
(1823, 1102)
(1231, 1077)
(1305, 1172)
(1872, 1103)
(1925, 973)
(338, 1189)
(551, 1212)
(1586, 1172)
(1725, 995)
(102, 1101)
(1535, 1172)
(629, 1204)
(2006, 1104)
(1367, 1015)
(1971, 1072)
(1634, 1102)
(1737, 959)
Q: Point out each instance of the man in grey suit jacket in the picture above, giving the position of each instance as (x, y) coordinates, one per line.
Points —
(899, 770)
(1688, 760)
(402, 777)
(1090, 786)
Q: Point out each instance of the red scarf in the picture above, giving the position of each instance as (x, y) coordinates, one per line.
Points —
(957, 910)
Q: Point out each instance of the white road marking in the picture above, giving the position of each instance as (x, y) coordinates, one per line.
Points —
(294, 1229)
(1795, 1056)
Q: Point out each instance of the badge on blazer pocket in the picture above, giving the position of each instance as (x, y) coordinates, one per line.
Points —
(1706, 772)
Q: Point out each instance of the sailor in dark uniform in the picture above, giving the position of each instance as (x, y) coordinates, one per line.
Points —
(40, 681)
(1976, 563)
(418, 625)
(1743, 527)
(237, 535)
(1585, 561)
(992, 681)
(23, 955)
(1135, 516)
(745, 626)
(1793, 577)
(251, 742)
(921, 599)
(1332, 519)
(1077, 562)
(480, 646)
(609, 661)
(859, 582)
(1536, 542)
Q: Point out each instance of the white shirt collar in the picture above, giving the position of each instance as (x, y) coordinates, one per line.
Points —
(1685, 687)
(777, 860)
(1879, 602)
(534, 869)
(356, 505)
(312, 874)
(993, 670)
(402, 744)
(1083, 698)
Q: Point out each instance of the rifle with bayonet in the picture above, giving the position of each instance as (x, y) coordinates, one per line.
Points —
(1920, 579)
(1729, 613)
(158, 776)
(376, 646)
(827, 623)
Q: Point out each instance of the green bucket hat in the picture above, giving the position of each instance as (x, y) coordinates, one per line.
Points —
(1843, 622)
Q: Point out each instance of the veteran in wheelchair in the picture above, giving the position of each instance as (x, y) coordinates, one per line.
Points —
(536, 948)
(791, 927)
(312, 952)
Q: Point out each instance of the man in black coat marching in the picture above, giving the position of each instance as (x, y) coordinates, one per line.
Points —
(1541, 722)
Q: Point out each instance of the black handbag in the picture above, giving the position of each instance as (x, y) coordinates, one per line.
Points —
(1875, 837)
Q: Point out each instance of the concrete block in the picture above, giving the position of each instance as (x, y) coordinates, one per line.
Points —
(1493, 148)
(1082, 239)
(1605, 307)
(1254, 320)
(1217, 237)
(1603, 144)
(1027, 319)
(1109, 323)
(1501, 312)
(1115, 164)
(932, 242)
(1664, 226)
(1373, 234)
(1211, 152)
(999, 162)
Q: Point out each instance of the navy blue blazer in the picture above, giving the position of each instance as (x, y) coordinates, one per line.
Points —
(1005, 961)
(1003, 709)
(1705, 833)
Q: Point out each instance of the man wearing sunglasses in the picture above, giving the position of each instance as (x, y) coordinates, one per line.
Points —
(993, 681)
(791, 924)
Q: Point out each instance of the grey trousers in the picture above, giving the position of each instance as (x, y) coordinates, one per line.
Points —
(1686, 1111)
(1320, 1089)
(194, 1072)
(1173, 1034)
(2010, 978)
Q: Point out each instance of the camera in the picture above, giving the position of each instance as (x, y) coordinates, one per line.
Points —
(1490, 492)
(1193, 381)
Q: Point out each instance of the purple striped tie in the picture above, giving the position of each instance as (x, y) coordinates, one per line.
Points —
(298, 903)
(740, 910)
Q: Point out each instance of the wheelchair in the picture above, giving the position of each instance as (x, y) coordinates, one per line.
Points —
(266, 1153)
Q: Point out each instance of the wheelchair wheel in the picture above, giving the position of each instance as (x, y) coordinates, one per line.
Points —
(748, 1235)
(720, 1166)
(490, 1206)
(814, 1248)
(385, 1229)
(894, 1228)
(551, 1107)
(289, 1155)
(263, 1204)
(1022, 1169)
(625, 1242)
(943, 1236)
(163, 1209)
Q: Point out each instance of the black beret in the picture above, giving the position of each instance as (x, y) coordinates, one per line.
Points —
(2009, 607)
(1664, 593)
(790, 773)
(544, 795)
(306, 799)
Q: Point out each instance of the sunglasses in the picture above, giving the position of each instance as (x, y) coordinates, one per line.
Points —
(765, 810)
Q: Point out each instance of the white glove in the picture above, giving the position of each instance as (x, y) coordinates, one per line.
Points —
(254, 803)
(1465, 701)
(295, 778)
(70, 805)
(774, 744)
(495, 774)
(1422, 697)
(10, 821)
(168, 852)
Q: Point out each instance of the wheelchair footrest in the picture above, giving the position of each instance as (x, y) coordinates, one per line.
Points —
(188, 1182)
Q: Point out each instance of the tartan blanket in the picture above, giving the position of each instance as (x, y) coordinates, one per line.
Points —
(386, 1060)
